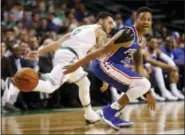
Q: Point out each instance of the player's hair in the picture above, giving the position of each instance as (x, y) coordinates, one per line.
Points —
(68, 12)
(143, 9)
(103, 15)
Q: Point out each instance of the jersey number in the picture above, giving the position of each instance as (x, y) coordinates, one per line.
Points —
(76, 31)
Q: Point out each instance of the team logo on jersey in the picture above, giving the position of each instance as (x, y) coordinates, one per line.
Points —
(129, 56)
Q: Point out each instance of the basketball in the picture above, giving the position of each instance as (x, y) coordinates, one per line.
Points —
(26, 79)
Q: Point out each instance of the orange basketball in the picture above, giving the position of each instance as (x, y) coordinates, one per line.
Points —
(26, 79)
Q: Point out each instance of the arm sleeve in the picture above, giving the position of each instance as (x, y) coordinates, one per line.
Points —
(167, 59)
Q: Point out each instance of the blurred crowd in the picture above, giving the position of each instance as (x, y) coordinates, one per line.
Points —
(35, 23)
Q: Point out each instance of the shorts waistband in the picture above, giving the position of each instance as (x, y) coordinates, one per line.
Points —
(71, 50)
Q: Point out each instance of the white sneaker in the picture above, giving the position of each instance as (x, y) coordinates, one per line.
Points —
(169, 96)
(143, 98)
(92, 118)
(135, 101)
(156, 96)
(7, 92)
(177, 93)
(99, 112)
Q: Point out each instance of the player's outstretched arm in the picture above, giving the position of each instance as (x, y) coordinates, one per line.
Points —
(112, 45)
(52, 47)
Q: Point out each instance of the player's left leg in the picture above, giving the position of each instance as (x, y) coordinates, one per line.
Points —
(80, 78)
(10, 91)
(118, 76)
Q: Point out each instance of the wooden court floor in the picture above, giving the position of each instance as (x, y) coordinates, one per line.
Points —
(168, 118)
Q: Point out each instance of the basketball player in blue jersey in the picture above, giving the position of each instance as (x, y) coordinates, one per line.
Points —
(109, 67)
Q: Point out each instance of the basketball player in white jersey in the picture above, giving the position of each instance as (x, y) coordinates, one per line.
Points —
(69, 49)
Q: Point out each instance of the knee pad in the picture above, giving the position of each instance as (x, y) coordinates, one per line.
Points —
(84, 88)
(144, 83)
(138, 88)
(84, 81)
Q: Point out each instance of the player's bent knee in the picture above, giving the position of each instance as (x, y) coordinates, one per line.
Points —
(138, 88)
(84, 81)
(145, 84)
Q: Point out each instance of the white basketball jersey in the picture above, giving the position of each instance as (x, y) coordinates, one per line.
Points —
(82, 39)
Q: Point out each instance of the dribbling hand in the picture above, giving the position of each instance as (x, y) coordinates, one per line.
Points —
(70, 68)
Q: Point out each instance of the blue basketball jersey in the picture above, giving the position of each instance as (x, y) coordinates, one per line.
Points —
(124, 55)
(111, 68)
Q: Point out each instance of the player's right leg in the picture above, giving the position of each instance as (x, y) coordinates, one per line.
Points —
(49, 82)
(118, 76)
(9, 91)
(80, 78)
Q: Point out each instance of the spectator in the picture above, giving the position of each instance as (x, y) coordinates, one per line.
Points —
(18, 27)
(70, 20)
(51, 25)
(35, 20)
(168, 49)
(10, 23)
(119, 21)
(33, 43)
(25, 49)
(42, 9)
(81, 12)
(23, 35)
(43, 27)
(31, 32)
(10, 39)
(6, 68)
(130, 21)
(45, 61)
(6, 71)
(16, 59)
(26, 20)
(179, 60)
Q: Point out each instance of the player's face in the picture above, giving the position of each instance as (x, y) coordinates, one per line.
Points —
(17, 52)
(107, 24)
(144, 21)
(170, 43)
(3, 48)
(153, 43)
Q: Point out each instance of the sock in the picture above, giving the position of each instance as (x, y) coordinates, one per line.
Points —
(159, 79)
(173, 86)
(84, 95)
(114, 93)
(116, 106)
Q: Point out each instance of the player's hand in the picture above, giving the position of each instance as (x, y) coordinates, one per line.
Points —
(32, 55)
(70, 68)
(151, 101)
(173, 68)
(126, 36)
(104, 87)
